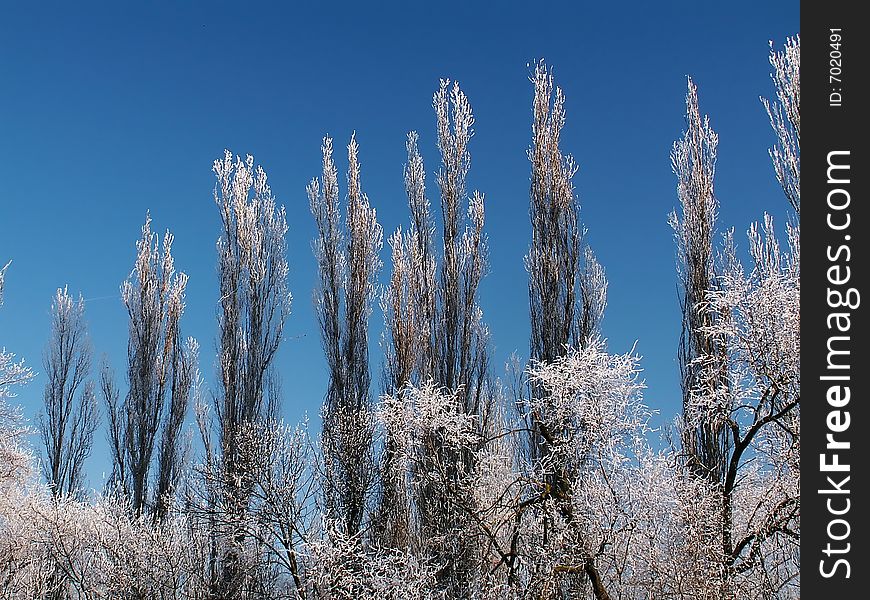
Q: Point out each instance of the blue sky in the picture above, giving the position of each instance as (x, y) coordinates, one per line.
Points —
(108, 111)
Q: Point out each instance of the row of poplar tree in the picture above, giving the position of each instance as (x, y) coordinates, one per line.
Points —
(446, 482)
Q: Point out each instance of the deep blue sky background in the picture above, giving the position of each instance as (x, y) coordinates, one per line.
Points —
(108, 111)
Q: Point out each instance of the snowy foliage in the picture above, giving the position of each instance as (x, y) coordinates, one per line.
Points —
(343, 570)
(72, 549)
(12, 373)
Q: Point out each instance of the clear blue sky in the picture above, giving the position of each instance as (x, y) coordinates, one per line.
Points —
(107, 112)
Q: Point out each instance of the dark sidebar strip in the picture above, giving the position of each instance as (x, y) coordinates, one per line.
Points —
(835, 424)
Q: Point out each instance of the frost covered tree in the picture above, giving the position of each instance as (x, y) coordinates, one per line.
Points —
(785, 118)
(254, 304)
(436, 333)
(70, 407)
(259, 550)
(348, 264)
(590, 401)
(409, 307)
(434, 321)
(759, 408)
(760, 327)
(144, 428)
(693, 159)
(740, 360)
(428, 430)
(255, 301)
(461, 337)
(567, 288)
(567, 285)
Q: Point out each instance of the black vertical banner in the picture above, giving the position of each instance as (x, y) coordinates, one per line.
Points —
(835, 421)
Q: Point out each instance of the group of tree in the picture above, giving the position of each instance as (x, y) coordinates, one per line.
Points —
(448, 482)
